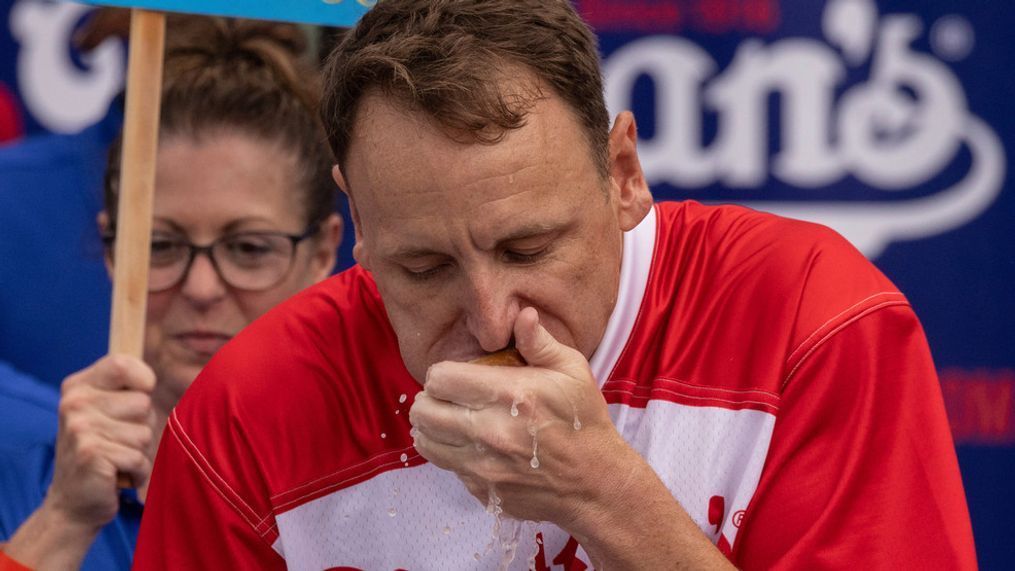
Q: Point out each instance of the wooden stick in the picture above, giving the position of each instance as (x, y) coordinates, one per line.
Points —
(137, 185)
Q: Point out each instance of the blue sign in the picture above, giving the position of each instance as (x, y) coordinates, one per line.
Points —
(886, 120)
(321, 12)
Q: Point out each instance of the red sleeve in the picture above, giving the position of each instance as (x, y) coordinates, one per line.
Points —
(194, 520)
(862, 471)
(9, 564)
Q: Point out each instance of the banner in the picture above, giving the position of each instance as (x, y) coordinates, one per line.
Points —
(888, 121)
(320, 12)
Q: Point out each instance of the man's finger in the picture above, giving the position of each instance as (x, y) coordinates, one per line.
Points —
(541, 349)
(442, 455)
(474, 386)
(441, 421)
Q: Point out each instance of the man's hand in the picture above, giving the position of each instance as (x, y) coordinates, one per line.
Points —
(541, 438)
(106, 426)
(529, 433)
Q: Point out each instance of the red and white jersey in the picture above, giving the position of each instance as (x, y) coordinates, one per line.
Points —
(779, 385)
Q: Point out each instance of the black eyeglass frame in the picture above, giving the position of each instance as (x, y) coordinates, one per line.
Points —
(109, 240)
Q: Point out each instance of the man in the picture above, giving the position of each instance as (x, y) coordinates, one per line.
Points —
(705, 385)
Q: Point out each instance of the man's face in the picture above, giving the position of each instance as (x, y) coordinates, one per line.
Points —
(460, 237)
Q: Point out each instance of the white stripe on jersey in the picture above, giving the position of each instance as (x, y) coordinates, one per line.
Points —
(639, 245)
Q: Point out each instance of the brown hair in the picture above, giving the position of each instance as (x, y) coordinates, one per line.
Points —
(445, 57)
(246, 76)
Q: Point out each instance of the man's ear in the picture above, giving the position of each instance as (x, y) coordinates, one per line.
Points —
(102, 221)
(357, 248)
(627, 181)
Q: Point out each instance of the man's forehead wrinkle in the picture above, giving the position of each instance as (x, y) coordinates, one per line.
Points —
(477, 192)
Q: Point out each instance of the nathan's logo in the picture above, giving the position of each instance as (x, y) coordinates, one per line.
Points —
(896, 131)
(62, 94)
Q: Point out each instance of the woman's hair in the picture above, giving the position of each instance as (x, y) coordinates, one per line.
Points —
(453, 60)
(248, 77)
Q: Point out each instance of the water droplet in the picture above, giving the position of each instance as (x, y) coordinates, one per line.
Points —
(534, 462)
(477, 556)
(447, 530)
(403, 457)
(402, 397)
(577, 424)
(493, 503)
(406, 464)
(397, 411)
(514, 409)
(384, 435)
(392, 512)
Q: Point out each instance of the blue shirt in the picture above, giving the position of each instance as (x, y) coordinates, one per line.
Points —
(54, 291)
(28, 424)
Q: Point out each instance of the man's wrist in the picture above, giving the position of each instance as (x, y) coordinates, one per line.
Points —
(634, 522)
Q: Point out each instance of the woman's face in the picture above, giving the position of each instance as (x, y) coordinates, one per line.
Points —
(220, 185)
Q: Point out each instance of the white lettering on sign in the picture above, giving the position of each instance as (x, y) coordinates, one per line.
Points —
(62, 97)
(900, 129)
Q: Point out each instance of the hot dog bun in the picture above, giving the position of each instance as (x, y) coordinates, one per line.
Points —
(503, 358)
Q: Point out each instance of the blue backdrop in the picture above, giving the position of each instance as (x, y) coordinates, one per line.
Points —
(889, 121)
(886, 120)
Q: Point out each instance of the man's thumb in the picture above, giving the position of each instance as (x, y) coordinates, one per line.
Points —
(540, 348)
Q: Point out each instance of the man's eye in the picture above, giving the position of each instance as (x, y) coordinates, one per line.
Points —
(522, 258)
(424, 274)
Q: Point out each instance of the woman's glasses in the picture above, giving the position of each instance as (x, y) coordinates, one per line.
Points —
(250, 261)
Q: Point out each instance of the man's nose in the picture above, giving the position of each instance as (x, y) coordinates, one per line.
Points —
(492, 309)
(202, 285)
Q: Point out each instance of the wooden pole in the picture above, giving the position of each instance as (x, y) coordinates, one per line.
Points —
(132, 250)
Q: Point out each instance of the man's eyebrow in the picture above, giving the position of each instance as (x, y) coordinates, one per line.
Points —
(411, 253)
(531, 231)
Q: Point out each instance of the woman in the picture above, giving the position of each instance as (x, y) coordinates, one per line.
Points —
(243, 218)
